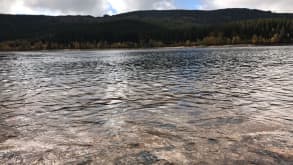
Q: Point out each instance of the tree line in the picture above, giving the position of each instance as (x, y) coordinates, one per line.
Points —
(131, 33)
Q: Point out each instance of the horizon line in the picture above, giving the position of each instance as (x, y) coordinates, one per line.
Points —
(203, 10)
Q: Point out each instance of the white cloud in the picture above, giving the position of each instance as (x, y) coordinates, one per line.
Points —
(55, 7)
(273, 5)
(84, 7)
(131, 5)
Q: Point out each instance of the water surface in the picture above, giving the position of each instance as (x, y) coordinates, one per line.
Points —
(156, 106)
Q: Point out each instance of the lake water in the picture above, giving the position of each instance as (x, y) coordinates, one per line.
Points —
(156, 106)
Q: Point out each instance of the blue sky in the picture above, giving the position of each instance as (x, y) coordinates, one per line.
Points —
(187, 4)
(102, 7)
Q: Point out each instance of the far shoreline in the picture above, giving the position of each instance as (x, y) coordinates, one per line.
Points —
(154, 48)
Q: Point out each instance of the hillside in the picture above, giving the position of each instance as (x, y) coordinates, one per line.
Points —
(200, 17)
(146, 29)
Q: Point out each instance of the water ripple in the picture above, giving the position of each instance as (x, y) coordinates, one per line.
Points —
(156, 106)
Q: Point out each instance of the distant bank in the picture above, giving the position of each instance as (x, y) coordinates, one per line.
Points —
(146, 29)
(144, 48)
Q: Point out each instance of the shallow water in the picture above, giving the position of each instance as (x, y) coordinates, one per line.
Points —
(156, 106)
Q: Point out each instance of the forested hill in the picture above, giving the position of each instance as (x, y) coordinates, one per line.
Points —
(146, 29)
(200, 17)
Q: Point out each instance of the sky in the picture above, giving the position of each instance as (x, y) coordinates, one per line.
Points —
(110, 7)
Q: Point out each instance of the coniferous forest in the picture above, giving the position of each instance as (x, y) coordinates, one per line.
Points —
(146, 29)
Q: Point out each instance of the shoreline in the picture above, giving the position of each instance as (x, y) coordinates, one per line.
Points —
(146, 48)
